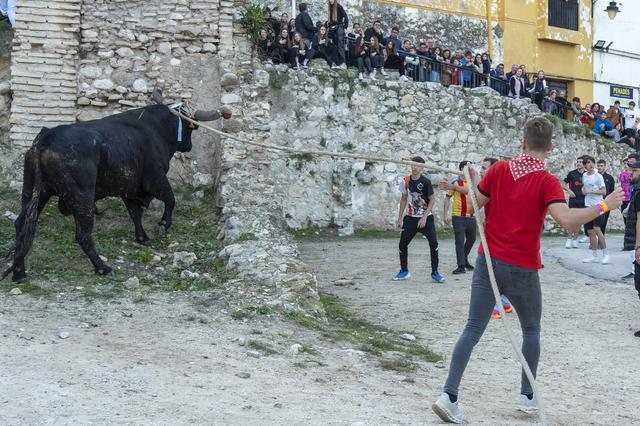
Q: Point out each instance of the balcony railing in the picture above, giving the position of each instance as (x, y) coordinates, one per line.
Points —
(563, 14)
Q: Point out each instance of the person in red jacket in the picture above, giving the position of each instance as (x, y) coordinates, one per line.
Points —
(519, 193)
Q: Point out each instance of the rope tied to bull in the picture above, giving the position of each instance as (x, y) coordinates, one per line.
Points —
(492, 278)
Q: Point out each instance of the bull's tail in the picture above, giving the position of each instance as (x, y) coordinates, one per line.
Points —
(26, 222)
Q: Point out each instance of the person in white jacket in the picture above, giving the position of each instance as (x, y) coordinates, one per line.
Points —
(8, 9)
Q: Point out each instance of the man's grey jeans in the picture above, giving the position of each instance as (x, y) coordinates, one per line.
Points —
(522, 287)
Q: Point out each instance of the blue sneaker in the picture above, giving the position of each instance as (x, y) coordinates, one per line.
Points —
(402, 275)
(436, 277)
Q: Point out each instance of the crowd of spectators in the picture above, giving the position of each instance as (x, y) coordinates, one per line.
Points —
(298, 41)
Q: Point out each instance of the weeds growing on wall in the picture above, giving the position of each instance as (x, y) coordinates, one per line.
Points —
(252, 21)
(6, 35)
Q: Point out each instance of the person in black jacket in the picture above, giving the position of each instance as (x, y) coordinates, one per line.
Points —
(324, 47)
(299, 52)
(338, 23)
(264, 45)
(631, 239)
(304, 24)
(375, 31)
(279, 53)
(353, 40)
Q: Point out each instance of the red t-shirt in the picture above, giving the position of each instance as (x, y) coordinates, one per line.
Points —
(516, 211)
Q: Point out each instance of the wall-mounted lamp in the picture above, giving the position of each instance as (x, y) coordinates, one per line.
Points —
(600, 45)
(612, 9)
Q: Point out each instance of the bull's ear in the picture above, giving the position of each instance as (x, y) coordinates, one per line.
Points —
(157, 96)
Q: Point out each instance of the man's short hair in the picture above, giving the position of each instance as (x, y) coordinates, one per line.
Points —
(395, 29)
(356, 23)
(538, 132)
(462, 164)
(418, 159)
(634, 157)
(377, 22)
(491, 160)
(602, 162)
(302, 7)
(588, 158)
(468, 53)
(616, 103)
(632, 103)
(576, 99)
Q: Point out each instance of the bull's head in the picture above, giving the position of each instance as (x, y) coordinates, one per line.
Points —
(185, 127)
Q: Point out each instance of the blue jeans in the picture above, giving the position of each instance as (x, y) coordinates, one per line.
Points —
(522, 287)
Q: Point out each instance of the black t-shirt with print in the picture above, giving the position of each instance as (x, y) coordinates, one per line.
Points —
(609, 183)
(574, 179)
(418, 192)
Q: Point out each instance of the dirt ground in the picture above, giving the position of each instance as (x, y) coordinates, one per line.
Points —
(180, 358)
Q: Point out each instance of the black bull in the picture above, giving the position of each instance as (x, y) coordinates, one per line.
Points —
(124, 155)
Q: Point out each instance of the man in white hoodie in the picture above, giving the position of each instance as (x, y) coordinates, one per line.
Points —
(594, 189)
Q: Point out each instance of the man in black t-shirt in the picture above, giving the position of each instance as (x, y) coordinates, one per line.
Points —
(631, 238)
(610, 185)
(573, 185)
(418, 200)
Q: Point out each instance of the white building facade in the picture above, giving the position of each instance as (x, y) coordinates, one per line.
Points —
(616, 67)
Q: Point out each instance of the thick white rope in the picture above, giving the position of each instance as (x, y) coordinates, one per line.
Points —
(474, 201)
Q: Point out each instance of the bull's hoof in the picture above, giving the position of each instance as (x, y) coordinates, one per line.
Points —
(145, 241)
(19, 278)
(103, 270)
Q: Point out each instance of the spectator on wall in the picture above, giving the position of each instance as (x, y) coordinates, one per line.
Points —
(630, 118)
(338, 23)
(375, 31)
(404, 50)
(511, 73)
(467, 69)
(304, 25)
(264, 45)
(392, 59)
(539, 89)
(376, 55)
(446, 72)
(272, 25)
(604, 127)
(549, 105)
(517, 85)
(486, 67)
(363, 58)
(586, 117)
(280, 48)
(563, 104)
(353, 40)
(395, 38)
(324, 47)
(456, 72)
(499, 80)
(595, 109)
(284, 23)
(525, 77)
(477, 70)
(298, 52)
(576, 110)
(614, 114)
(435, 65)
(292, 28)
(412, 62)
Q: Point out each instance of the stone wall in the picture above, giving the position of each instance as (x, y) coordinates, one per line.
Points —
(313, 110)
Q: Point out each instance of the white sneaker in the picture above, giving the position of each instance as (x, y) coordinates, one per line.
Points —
(360, 76)
(403, 78)
(343, 66)
(334, 67)
(591, 259)
(574, 243)
(527, 405)
(382, 72)
(448, 411)
(568, 244)
(605, 259)
(584, 239)
(373, 75)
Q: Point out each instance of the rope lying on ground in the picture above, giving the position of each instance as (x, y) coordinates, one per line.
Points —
(474, 201)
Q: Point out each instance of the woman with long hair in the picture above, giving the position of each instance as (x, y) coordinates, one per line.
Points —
(324, 47)
(517, 88)
(435, 66)
(338, 23)
(539, 89)
(445, 68)
(377, 58)
(280, 48)
(477, 71)
(586, 116)
(298, 52)
(393, 59)
(363, 58)
(486, 67)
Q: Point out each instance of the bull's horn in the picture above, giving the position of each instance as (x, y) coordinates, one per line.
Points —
(200, 115)
(157, 95)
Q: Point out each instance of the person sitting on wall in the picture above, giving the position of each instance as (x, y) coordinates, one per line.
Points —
(563, 104)
(549, 105)
(298, 52)
(499, 80)
(353, 41)
(264, 46)
(393, 59)
(279, 53)
(325, 48)
(604, 127)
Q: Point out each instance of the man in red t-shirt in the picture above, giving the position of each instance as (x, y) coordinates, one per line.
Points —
(519, 192)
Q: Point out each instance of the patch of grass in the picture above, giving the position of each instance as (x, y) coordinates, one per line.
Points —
(376, 339)
(240, 314)
(323, 142)
(261, 346)
(330, 119)
(375, 233)
(29, 288)
(247, 236)
(307, 363)
(402, 365)
(348, 146)
(249, 311)
(277, 80)
(308, 349)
